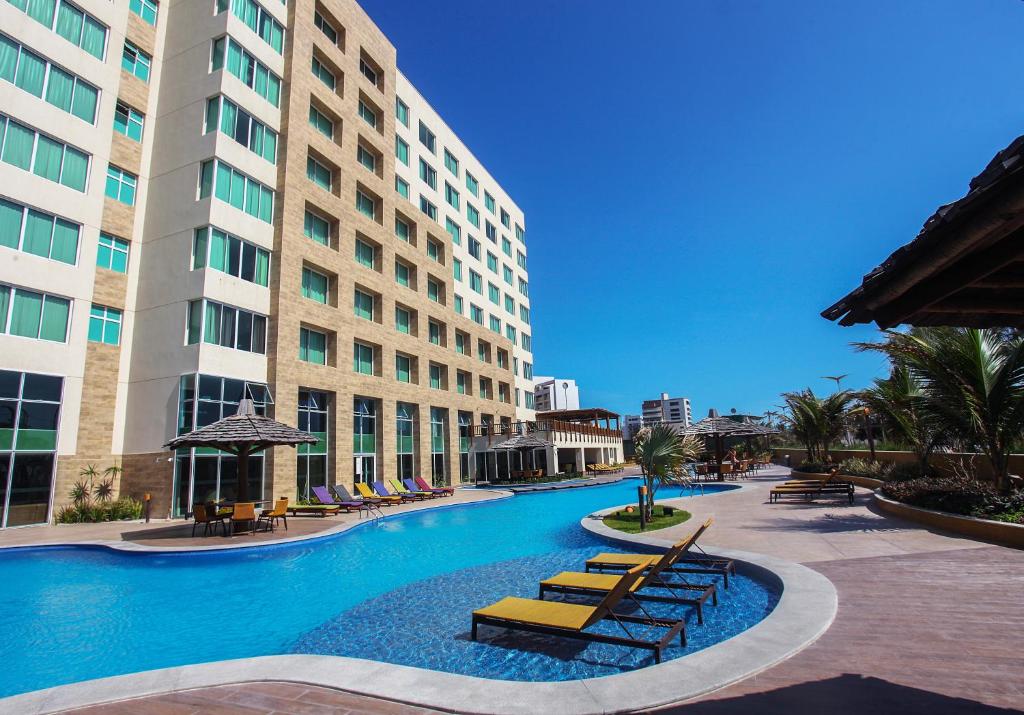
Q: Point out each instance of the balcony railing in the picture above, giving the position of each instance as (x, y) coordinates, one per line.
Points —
(547, 429)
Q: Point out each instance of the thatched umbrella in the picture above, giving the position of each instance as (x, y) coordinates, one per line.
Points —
(718, 428)
(242, 434)
(523, 443)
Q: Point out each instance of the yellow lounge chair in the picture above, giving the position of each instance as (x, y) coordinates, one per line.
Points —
(686, 562)
(599, 584)
(400, 489)
(571, 620)
(366, 493)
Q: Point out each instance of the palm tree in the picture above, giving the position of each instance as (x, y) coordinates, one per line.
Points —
(816, 421)
(900, 401)
(972, 381)
(660, 450)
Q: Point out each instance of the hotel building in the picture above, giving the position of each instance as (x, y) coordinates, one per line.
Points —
(209, 200)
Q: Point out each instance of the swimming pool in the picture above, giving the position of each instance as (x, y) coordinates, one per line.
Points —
(400, 592)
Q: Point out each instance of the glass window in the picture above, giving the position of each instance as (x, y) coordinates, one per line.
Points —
(524, 314)
(474, 248)
(433, 291)
(401, 111)
(366, 205)
(433, 250)
(316, 228)
(232, 186)
(325, 27)
(492, 262)
(507, 274)
(472, 185)
(367, 71)
(112, 253)
(226, 326)
(363, 305)
(436, 381)
(323, 74)
(434, 333)
(510, 332)
(428, 139)
(493, 293)
(402, 187)
(253, 73)
(495, 324)
(402, 150)
(364, 254)
(74, 25)
(362, 358)
(402, 273)
(524, 287)
(136, 62)
(454, 231)
(367, 114)
(241, 126)
(104, 325)
(489, 202)
(314, 285)
(506, 220)
(457, 269)
(402, 229)
(520, 233)
(476, 314)
(366, 158)
(506, 246)
(312, 346)
(472, 214)
(428, 208)
(403, 368)
(458, 304)
(34, 315)
(510, 304)
(428, 175)
(451, 163)
(318, 173)
(129, 122)
(146, 9)
(320, 121)
(121, 185)
(39, 233)
(476, 282)
(451, 195)
(403, 320)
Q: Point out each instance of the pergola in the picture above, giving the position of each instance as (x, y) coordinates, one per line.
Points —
(717, 428)
(592, 416)
(965, 267)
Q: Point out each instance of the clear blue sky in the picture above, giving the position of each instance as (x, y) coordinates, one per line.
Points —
(701, 178)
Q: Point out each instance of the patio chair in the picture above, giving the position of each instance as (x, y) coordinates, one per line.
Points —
(244, 513)
(423, 484)
(210, 520)
(326, 498)
(599, 584)
(272, 516)
(414, 487)
(571, 620)
(688, 561)
(366, 493)
(381, 490)
(725, 469)
(344, 495)
(401, 489)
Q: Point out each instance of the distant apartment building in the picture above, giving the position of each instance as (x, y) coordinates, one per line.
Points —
(667, 409)
(207, 201)
(551, 393)
(631, 424)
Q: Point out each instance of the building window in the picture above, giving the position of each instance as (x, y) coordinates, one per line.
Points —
(491, 231)
(365, 254)
(461, 339)
(77, 27)
(233, 187)
(506, 246)
(318, 173)
(402, 229)
(403, 320)
(401, 111)
(311, 468)
(366, 205)
(364, 439)
(474, 248)
(472, 185)
(362, 358)
(476, 314)
(428, 139)
(405, 426)
(489, 202)
(454, 231)
(136, 62)
(325, 27)
(38, 233)
(316, 228)
(253, 73)
(128, 122)
(495, 324)
(324, 75)
(363, 305)
(451, 163)
(121, 185)
(520, 234)
(32, 73)
(428, 208)
(529, 400)
(510, 332)
(28, 314)
(521, 259)
(402, 273)
(451, 195)
(26, 149)
(104, 325)
(223, 252)
(402, 150)
(428, 175)
(524, 314)
(367, 114)
(433, 291)
(507, 275)
(494, 294)
(434, 333)
(436, 380)
(403, 368)
(524, 287)
(527, 344)
(314, 285)
(461, 381)
(492, 262)
(510, 304)
(321, 122)
(226, 326)
(368, 160)
(472, 214)
(257, 19)
(457, 269)
(458, 305)
(476, 282)
(367, 71)
(112, 254)
(402, 187)
(506, 220)
(434, 251)
(257, 137)
(312, 346)
(146, 9)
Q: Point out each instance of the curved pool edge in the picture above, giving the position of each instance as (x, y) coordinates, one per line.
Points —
(806, 609)
(131, 547)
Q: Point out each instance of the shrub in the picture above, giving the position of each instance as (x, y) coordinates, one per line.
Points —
(816, 467)
(909, 470)
(856, 467)
(957, 495)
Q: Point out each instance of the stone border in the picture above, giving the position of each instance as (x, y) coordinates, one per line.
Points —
(805, 610)
(1000, 532)
(866, 482)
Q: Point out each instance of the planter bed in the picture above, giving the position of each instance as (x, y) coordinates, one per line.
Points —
(866, 482)
(999, 532)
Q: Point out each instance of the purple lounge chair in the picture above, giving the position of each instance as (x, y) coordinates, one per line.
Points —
(324, 497)
(378, 486)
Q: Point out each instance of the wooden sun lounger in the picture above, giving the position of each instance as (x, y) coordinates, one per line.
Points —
(811, 491)
(571, 620)
(314, 509)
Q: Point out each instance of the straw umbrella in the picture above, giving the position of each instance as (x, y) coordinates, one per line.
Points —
(718, 428)
(523, 443)
(242, 434)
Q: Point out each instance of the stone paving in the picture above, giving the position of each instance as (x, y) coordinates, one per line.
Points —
(928, 622)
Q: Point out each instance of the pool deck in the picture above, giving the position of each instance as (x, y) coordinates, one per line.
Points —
(927, 622)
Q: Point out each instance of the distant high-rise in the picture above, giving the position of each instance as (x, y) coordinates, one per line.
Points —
(555, 393)
(667, 409)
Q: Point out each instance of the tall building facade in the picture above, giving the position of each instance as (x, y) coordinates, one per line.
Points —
(555, 393)
(667, 409)
(207, 201)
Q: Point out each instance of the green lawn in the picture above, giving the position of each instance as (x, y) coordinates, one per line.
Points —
(630, 523)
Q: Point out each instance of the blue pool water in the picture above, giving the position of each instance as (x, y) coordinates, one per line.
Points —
(400, 592)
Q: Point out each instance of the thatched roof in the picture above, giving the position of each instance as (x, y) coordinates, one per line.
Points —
(964, 268)
(524, 441)
(726, 427)
(245, 429)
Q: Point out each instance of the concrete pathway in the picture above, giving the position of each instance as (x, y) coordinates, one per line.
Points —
(928, 623)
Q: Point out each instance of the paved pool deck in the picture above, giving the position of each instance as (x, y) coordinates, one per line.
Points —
(927, 623)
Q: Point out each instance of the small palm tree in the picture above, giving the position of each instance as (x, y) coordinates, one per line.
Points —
(817, 421)
(660, 451)
(90, 473)
(900, 401)
(972, 381)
